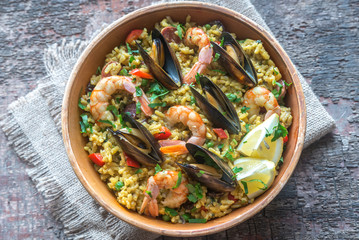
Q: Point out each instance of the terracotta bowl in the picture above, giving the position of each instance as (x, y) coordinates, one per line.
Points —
(114, 35)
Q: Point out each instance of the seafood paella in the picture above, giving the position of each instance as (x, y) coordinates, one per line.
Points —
(186, 122)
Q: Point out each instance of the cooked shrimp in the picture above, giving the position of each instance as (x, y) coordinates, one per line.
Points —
(191, 119)
(196, 36)
(100, 96)
(258, 97)
(164, 180)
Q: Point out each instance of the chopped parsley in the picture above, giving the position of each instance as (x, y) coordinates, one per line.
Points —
(180, 31)
(149, 193)
(114, 110)
(124, 72)
(138, 108)
(166, 218)
(196, 192)
(129, 50)
(244, 109)
(287, 84)
(186, 217)
(108, 122)
(281, 160)
(220, 146)
(197, 220)
(237, 169)
(265, 186)
(84, 124)
(279, 131)
(210, 144)
(247, 127)
(258, 41)
(193, 100)
(153, 105)
(275, 71)
(138, 92)
(171, 212)
(197, 77)
(216, 57)
(234, 141)
(157, 90)
(81, 105)
(229, 156)
(276, 92)
(158, 169)
(222, 42)
(242, 41)
(233, 98)
(132, 58)
(119, 185)
(207, 26)
(200, 173)
(179, 180)
(138, 171)
(98, 71)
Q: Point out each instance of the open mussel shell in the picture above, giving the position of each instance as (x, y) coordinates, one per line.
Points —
(210, 170)
(137, 142)
(216, 106)
(235, 60)
(163, 64)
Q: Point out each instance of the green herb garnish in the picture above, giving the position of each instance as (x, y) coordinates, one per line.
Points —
(244, 109)
(197, 220)
(171, 212)
(196, 192)
(166, 218)
(81, 105)
(98, 71)
(229, 156)
(287, 84)
(233, 98)
(138, 171)
(157, 90)
(119, 185)
(84, 124)
(107, 122)
(129, 50)
(220, 146)
(179, 180)
(193, 100)
(138, 108)
(222, 42)
(281, 160)
(132, 58)
(207, 26)
(149, 193)
(124, 72)
(180, 31)
(114, 110)
(144, 82)
(242, 41)
(237, 169)
(279, 131)
(210, 144)
(275, 71)
(186, 217)
(200, 173)
(216, 57)
(138, 92)
(158, 169)
(197, 77)
(247, 127)
(265, 186)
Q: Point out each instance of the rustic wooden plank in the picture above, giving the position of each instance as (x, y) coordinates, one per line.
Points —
(320, 200)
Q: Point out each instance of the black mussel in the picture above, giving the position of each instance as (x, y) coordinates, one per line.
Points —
(235, 60)
(162, 63)
(216, 106)
(210, 170)
(137, 142)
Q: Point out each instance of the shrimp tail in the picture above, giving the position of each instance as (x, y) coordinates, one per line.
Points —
(204, 59)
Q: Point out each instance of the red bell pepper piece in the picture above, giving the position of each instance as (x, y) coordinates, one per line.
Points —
(285, 139)
(134, 35)
(130, 162)
(137, 72)
(163, 134)
(220, 133)
(231, 197)
(203, 208)
(97, 159)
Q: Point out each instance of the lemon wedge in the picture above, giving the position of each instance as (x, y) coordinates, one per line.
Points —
(255, 144)
(254, 175)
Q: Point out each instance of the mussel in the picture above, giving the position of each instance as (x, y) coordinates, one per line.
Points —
(216, 106)
(137, 142)
(163, 63)
(235, 60)
(209, 170)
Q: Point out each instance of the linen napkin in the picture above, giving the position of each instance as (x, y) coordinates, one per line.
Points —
(32, 126)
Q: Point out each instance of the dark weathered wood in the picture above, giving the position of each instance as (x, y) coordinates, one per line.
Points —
(321, 37)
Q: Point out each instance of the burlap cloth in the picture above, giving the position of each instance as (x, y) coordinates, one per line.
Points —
(32, 126)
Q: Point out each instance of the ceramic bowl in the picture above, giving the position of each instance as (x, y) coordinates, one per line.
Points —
(115, 34)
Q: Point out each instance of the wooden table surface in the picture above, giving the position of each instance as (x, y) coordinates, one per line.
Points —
(321, 37)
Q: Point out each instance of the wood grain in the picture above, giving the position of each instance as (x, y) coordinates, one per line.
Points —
(320, 201)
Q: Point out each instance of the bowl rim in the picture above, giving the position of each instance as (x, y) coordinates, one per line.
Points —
(274, 189)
